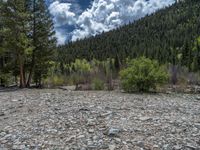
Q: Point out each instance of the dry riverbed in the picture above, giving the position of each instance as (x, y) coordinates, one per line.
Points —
(89, 120)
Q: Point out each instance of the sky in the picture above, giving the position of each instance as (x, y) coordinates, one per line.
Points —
(77, 19)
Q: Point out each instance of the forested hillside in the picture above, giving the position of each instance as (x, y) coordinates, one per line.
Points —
(167, 35)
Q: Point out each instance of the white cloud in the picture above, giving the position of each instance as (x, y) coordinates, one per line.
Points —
(62, 14)
(61, 36)
(104, 15)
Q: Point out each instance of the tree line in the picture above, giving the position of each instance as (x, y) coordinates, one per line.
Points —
(27, 41)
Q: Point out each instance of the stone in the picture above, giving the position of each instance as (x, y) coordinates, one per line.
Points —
(118, 140)
(2, 114)
(156, 147)
(177, 147)
(91, 122)
(140, 144)
(105, 146)
(18, 147)
(166, 147)
(197, 125)
(198, 98)
(91, 130)
(113, 131)
(70, 139)
(145, 118)
(191, 147)
(81, 136)
(112, 147)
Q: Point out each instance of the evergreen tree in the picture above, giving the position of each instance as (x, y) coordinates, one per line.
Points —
(43, 40)
(15, 18)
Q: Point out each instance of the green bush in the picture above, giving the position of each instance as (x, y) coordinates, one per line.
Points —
(97, 84)
(54, 81)
(143, 74)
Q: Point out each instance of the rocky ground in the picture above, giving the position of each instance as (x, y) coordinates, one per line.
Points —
(57, 119)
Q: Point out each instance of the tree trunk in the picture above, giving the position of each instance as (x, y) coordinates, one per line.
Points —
(174, 75)
(1, 67)
(22, 77)
(33, 55)
(31, 71)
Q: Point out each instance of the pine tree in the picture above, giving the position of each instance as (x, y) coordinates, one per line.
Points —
(43, 40)
(15, 18)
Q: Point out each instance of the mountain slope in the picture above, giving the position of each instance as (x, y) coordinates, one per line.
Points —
(161, 35)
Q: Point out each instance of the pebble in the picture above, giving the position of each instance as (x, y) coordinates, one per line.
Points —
(197, 125)
(111, 147)
(113, 131)
(2, 114)
(91, 130)
(198, 98)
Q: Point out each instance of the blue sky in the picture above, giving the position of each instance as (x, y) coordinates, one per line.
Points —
(77, 19)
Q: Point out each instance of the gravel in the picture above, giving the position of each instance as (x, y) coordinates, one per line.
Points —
(91, 120)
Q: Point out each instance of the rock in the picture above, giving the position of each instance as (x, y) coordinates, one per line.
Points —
(81, 136)
(18, 147)
(113, 131)
(191, 147)
(145, 118)
(140, 144)
(177, 147)
(197, 125)
(112, 147)
(91, 130)
(118, 140)
(198, 98)
(156, 147)
(2, 114)
(91, 122)
(167, 147)
(14, 100)
(84, 109)
(70, 139)
(105, 146)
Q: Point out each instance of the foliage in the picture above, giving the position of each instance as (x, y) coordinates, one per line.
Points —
(81, 66)
(196, 58)
(5, 79)
(97, 84)
(142, 74)
(55, 81)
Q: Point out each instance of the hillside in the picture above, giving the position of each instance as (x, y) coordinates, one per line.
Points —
(162, 35)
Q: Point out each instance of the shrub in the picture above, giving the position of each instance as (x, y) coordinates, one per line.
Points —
(142, 74)
(54, 81)
(97, 84)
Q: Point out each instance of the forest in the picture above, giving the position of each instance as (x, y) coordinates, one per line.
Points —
(29, 54)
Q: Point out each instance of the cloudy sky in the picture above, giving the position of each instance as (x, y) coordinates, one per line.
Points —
(76, 19)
